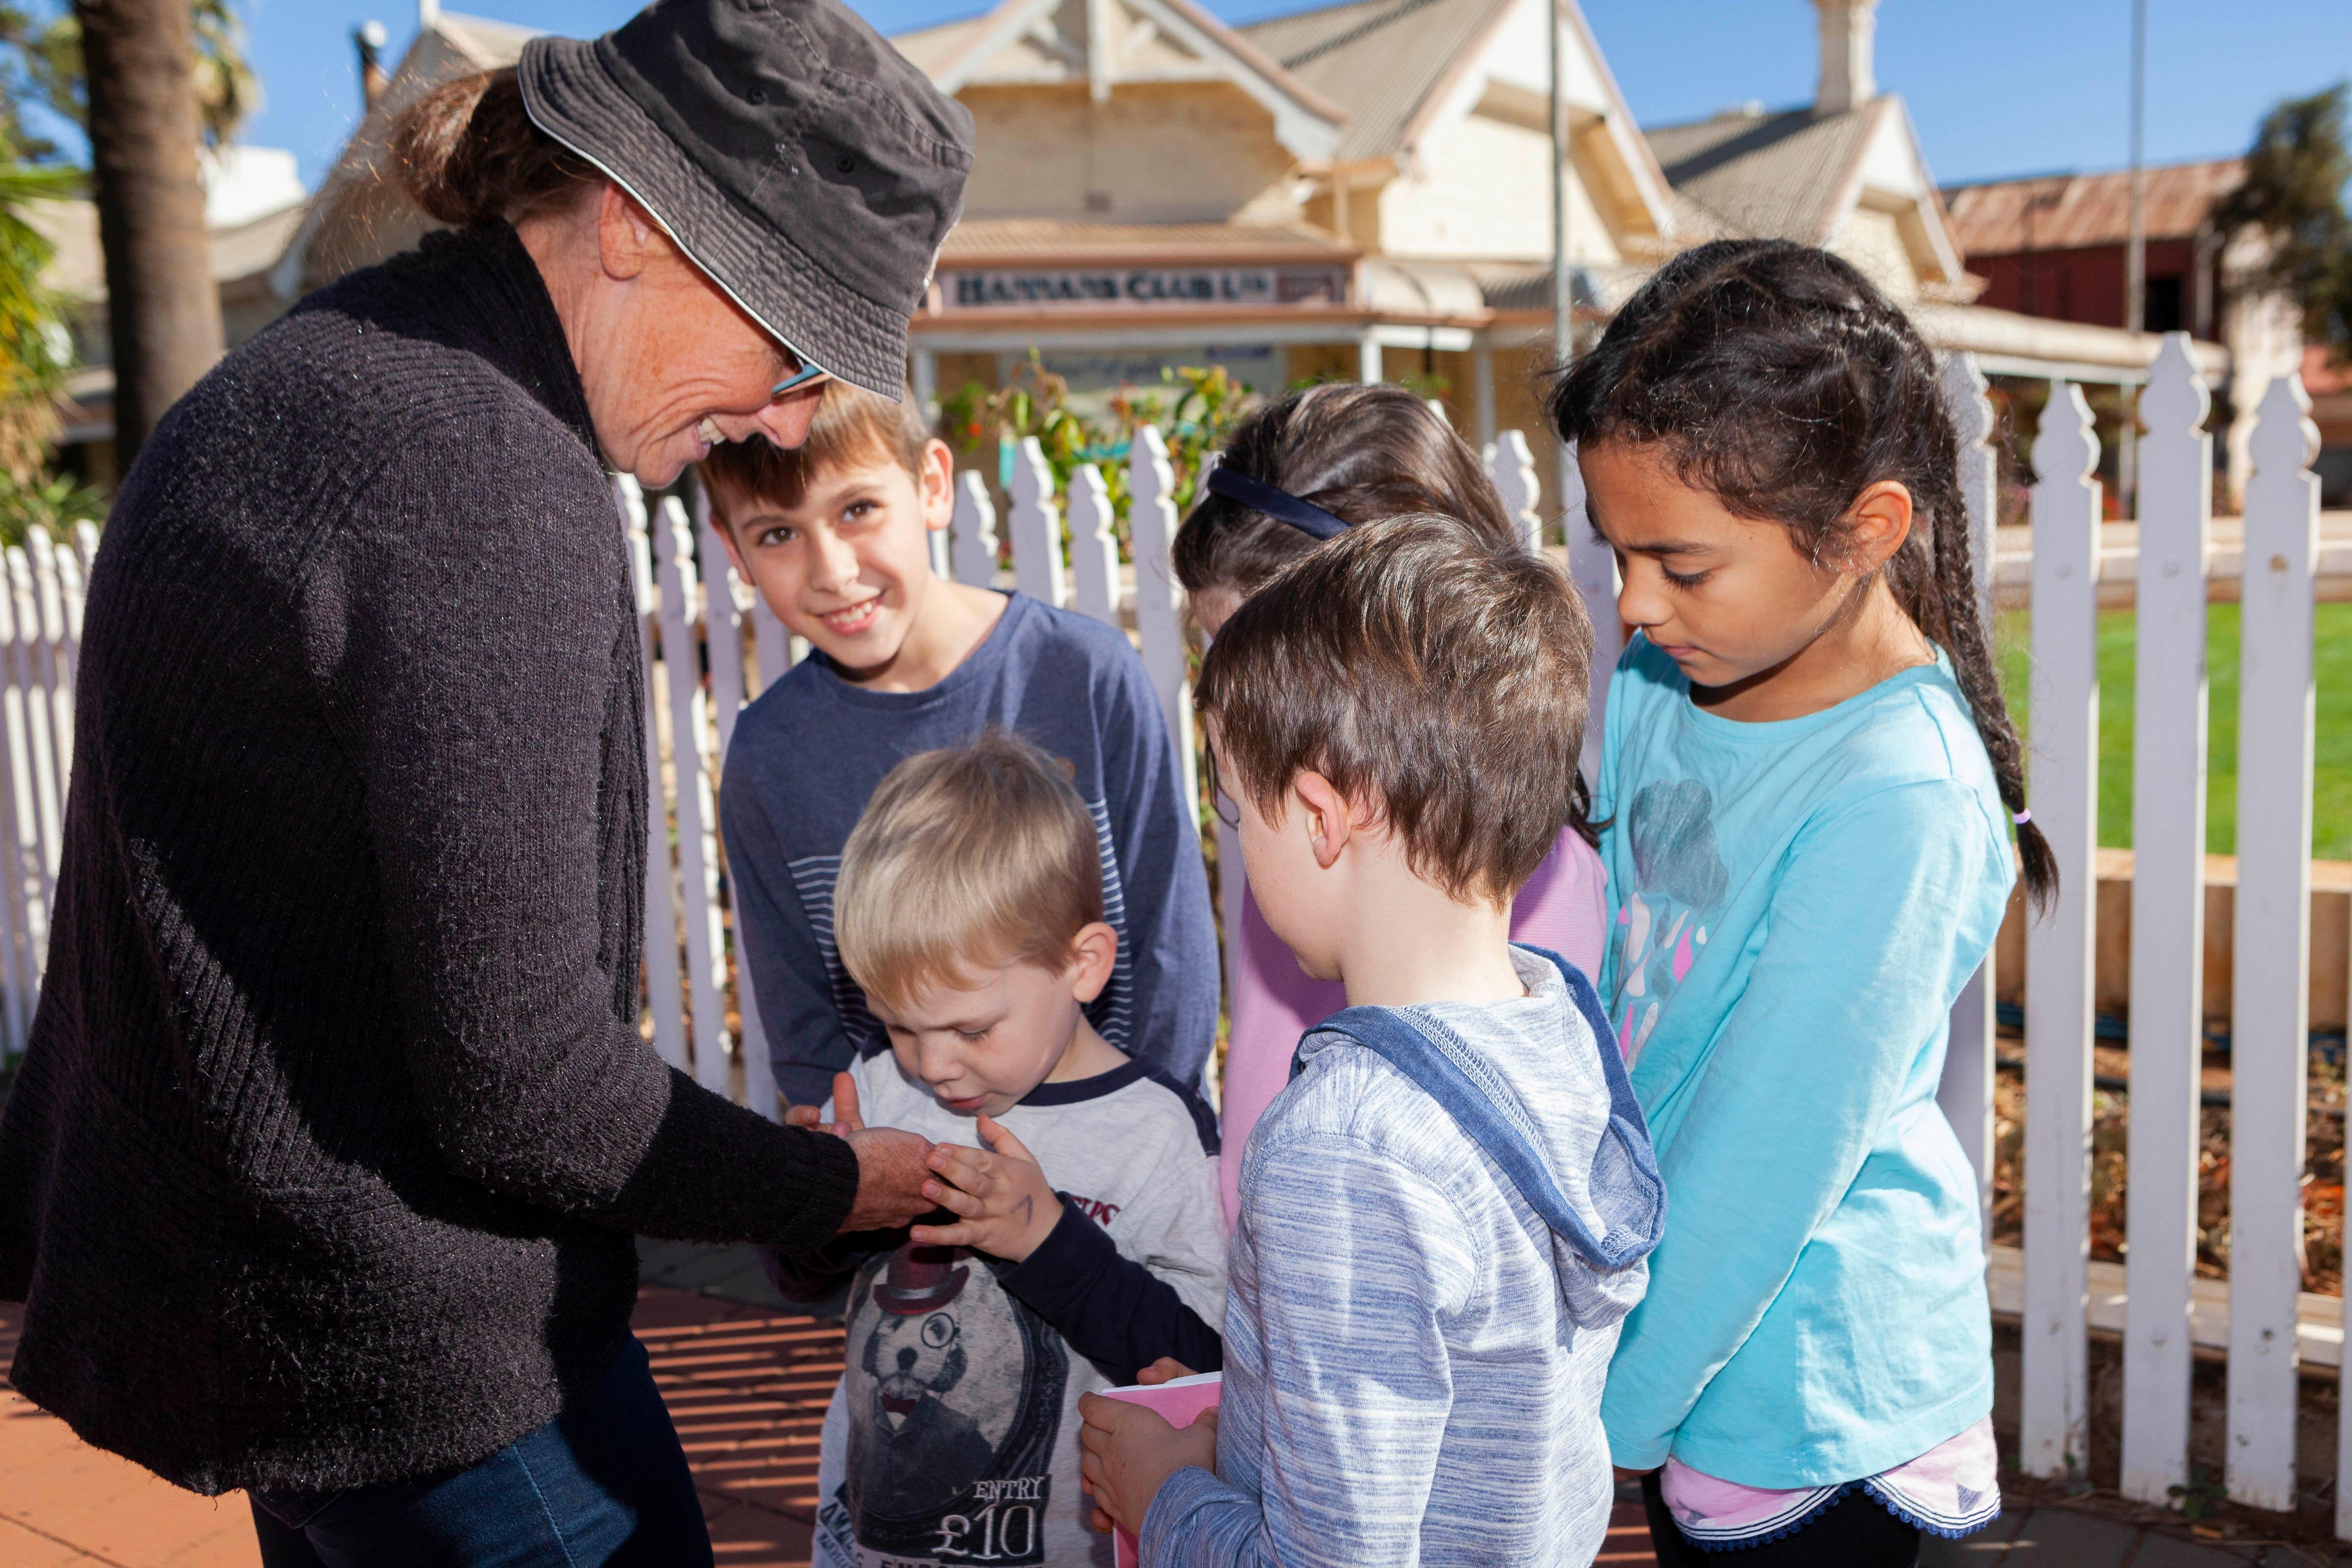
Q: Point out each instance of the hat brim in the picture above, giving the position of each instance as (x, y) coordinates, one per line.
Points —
(571, 97)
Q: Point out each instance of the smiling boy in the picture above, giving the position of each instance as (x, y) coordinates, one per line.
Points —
(836, 537)
(971, 913)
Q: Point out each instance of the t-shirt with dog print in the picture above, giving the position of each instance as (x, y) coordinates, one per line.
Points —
(952, 1436)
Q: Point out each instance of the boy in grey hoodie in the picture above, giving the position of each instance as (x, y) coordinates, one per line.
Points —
(1443, 1217)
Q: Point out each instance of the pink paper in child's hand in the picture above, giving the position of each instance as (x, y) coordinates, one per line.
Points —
(1179, 1402)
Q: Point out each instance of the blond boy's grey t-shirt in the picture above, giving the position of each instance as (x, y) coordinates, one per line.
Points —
(952, 1438)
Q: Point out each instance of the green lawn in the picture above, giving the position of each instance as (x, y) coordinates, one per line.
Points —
(2331, 835)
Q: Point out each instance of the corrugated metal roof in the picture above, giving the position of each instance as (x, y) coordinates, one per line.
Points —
(2060, 212)
(982, 240)
(1380, 59)
(1763, 177)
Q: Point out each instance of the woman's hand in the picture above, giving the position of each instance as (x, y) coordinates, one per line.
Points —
(1128, 1453)
(892, 1169)
(844, 1106)
(891, 1165)
(1008, 1207)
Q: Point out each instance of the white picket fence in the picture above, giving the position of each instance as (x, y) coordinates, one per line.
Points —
(710, 645)
(40, 647)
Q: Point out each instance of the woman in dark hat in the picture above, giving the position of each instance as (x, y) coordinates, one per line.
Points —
(321, 1173)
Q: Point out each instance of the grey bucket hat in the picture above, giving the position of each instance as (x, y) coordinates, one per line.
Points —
(796, 157)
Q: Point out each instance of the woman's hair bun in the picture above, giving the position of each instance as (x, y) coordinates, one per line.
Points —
(468, 154)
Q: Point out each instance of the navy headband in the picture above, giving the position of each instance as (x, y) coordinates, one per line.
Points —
(1305, 516)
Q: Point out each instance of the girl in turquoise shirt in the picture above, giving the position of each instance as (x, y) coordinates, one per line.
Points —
(1807, 784)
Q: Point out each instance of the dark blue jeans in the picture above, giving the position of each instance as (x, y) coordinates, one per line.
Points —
(605, 1483)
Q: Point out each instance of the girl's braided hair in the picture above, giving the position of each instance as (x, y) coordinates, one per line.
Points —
(1777, 379)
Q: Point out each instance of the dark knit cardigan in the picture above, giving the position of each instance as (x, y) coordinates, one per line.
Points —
(323, 1167)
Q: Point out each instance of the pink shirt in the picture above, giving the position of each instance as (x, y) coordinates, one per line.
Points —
(1561, 908)
(1952, 1490)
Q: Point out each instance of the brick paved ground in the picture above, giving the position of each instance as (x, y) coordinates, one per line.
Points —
(746, 1385)
(747, 1381)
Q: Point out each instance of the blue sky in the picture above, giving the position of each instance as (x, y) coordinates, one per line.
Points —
(1997, 87)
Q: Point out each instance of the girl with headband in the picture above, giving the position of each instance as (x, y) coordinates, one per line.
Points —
(1293, 474)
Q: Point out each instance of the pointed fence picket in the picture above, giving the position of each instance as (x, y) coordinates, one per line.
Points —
(56, 657)
(1037, 525)
(2168, 929)
(1094, 547)
(709, 646)
(2053, 1421)
(1594, 567)
(27, 888)
(2269, 1034)
(20, 889)
(691, 801)
(1966, 1093)
(727, 607)
(1512, 467)
(974, 525)
(1159, 607)
(665, 988)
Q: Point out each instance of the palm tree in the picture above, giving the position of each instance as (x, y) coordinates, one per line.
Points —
(140, 66)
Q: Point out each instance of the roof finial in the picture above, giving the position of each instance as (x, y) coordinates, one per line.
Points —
(428, 15)
(1848, 78)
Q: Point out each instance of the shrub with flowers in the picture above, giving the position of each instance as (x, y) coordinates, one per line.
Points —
(1192, 408)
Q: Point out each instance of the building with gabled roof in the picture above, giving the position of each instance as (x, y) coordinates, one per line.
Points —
(2053, 247)
(254, 203)
(1849, 180)
(359, 214)
(1359, 189)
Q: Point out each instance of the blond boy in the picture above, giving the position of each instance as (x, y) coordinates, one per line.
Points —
(836, 534)
(1081, 1238)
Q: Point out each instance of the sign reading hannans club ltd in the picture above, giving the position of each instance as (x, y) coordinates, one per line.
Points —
(1143, 287)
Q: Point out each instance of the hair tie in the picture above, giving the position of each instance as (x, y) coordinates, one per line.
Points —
(1303, 515)
(2022, 818)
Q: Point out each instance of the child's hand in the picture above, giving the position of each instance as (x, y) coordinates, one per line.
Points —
(1128, 1453)
(844, 1106)
(1167, 1369)
(1007, 1207)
